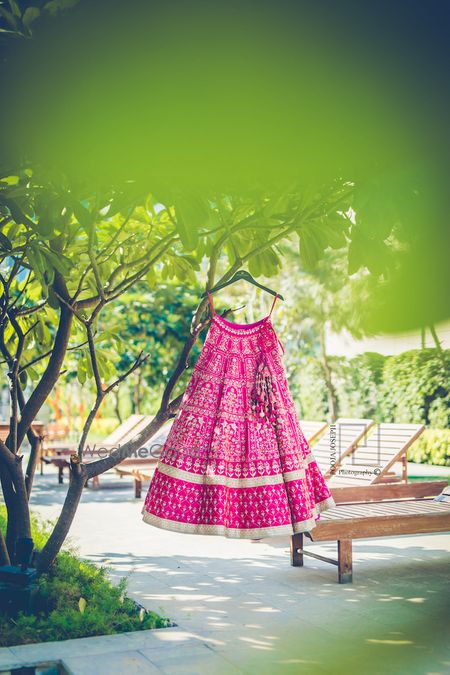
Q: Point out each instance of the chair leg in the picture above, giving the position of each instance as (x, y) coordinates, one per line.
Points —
(137, 487)
(296, 548)
(404, 468)
(345, 561)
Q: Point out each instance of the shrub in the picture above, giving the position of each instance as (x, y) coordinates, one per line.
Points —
(433, 447)
(307, 384)
(75, 599)
(416, 389)
(357, 382)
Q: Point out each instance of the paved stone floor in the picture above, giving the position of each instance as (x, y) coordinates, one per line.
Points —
(241, 608)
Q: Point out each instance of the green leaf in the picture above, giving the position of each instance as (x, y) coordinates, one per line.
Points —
(30, 15)
(54, 6)
(81, 372)
(5, 242)
(311, 248)
(42, 332)
(192, 262)
(13, 230)
(192, 213)
(332, 232)
(37, 264)
(15, 7)
(9, 180)
(10, 18)
(84, 216)
(33, 373)
(61, 263)
(254, 266)
(53, 299)
(151, 277)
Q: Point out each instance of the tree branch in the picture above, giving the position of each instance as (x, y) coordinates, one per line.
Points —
(52, 371)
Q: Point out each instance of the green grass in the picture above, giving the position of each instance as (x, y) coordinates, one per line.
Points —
(75, 599)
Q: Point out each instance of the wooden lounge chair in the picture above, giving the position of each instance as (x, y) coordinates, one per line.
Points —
(142, 470)
(129, 428)
(331, 449)
(311, 430)
(373, 457)
(38, 427)
(371, 511)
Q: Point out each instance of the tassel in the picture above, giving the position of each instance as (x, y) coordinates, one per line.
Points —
(263, 400)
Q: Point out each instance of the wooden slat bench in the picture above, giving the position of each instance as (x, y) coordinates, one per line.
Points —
(140, 472)
(125, 432)
(364, 512)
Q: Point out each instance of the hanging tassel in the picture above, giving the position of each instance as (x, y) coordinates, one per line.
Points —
(263, 402)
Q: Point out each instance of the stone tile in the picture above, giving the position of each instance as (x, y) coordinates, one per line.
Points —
(8, 659)
(190, 660)
(118, 663)
(161, 639)
(267, 662)
(44, 651)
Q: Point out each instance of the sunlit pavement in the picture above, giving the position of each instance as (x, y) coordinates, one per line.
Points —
(240, 607)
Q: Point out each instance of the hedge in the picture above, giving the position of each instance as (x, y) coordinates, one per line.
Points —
(433, 447)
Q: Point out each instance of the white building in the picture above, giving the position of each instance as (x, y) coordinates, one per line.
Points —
(343, 344)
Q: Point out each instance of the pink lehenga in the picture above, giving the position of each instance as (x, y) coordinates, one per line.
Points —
(235, 462)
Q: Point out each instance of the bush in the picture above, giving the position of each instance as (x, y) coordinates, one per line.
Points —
(357, 382)
(408, 388)
(307, 384)
(75, 599)
(433, 447)
(415, 388)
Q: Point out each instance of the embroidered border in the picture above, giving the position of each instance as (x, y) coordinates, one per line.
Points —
(242, 332)
(228, 481)
(324, 505)
(236, 533)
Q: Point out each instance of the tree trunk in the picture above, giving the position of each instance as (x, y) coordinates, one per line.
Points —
(331, 391)
(8, 495)
(35, 450)
(117, 406)
(435, 339)
(53, 545)
(137, 394)
(50, 376)
(16, 498)
(4, 555)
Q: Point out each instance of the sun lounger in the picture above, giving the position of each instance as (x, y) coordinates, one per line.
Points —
(142, 470)
(124, 432)
(311, 430)
(374, 456)
(338, 441)
(371, 512)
